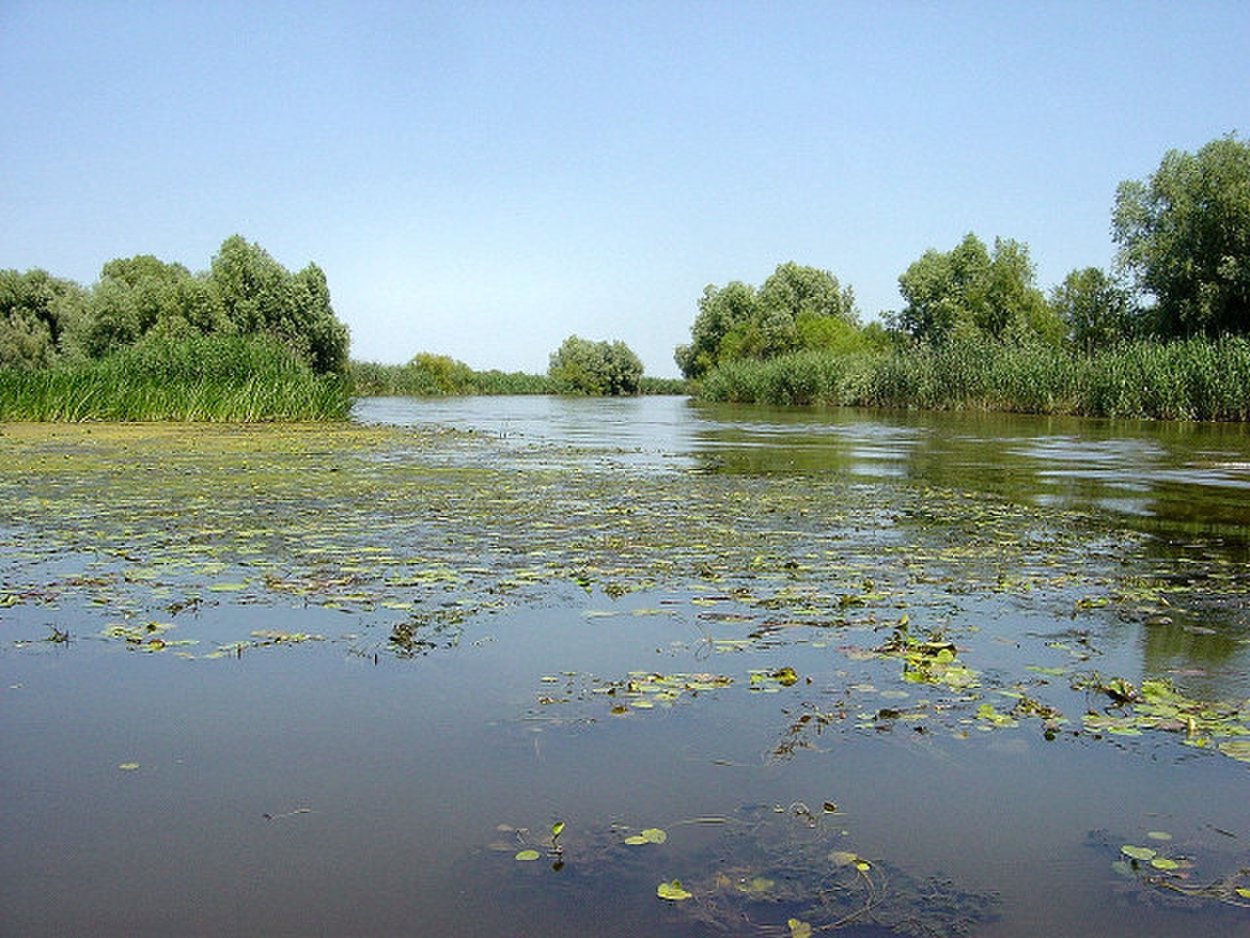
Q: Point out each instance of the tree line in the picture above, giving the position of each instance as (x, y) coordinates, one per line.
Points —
(1182, 271)
(47, 320)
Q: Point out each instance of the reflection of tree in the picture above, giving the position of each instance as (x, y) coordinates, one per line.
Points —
(1204, 657)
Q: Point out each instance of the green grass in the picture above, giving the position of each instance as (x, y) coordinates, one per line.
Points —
(1191, 379)
(215, 378)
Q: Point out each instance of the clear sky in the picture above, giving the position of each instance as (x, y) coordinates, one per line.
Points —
(484, 179)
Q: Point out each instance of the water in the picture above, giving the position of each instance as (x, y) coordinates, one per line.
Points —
(522, 622)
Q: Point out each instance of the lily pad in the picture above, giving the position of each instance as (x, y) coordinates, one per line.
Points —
(1142, 854)
(672, 891)
(526, 856)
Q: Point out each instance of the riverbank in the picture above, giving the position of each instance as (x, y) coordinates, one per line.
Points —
(202, 379)
(1191, 379)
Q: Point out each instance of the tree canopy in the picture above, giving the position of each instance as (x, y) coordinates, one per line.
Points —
(580, 366)
(39, 315)
(1184, 236)
(245, 292)
(970, 289)
(797, 307)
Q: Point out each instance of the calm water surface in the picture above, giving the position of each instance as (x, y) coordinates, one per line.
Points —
(363, 785)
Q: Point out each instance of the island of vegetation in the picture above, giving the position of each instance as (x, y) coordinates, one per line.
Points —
(1162, 335)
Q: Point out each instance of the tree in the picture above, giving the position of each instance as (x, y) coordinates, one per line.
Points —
(580, 366)
(258, 295)
(968, 289)
(1184, 236)
(140, 295)
(39, 317)
(721, 310)
(1095, 309)
(796, 307)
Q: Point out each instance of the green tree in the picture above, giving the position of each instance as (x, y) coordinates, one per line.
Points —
(258, 295)
(797, 307)
(39, 318)
(580, 366)
(721, 310)
(1095, 309)
(140, 295)
(1184, 236)
(970, 290)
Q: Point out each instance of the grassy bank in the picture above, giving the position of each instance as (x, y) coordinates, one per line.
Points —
(1192, 379)
(218, 378)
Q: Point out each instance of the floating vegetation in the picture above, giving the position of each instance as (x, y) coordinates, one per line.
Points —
(770, 869)
(1163, 869)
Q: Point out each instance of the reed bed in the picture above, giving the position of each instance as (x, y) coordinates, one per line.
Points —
(206, 379)
(1190, 379)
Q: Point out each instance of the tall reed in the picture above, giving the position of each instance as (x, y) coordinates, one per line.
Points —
(1191, 379)
(210, 378)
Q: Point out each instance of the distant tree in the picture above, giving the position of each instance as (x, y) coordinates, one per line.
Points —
(1184, 235)
(1096, 310)
(580, 366)
(796, 307)
(39, 317)
(968, 289)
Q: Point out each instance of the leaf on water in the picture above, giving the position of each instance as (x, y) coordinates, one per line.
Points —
(1163, 863)
(672, 891)
(652, 835)
(1243, 892)
(1158, 835)
(128, 766)
(557, 828)
(799, 929)
(526, 856)
(227, 587)
(843, 858)
(1142, 854)
(1238, 749)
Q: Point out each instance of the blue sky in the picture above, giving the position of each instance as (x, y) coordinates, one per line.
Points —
(484, 179)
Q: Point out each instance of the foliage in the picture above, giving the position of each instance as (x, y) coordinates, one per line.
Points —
(1184, 235)
(1191, 379)
(203, 378)
(1095, 309)
(246, 292)
(39, 315)
(969, 290)
(429, 375)
(796, 308)
(580, 366)
(258, 295)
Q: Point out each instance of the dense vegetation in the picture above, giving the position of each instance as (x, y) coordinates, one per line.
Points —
(245, 340)
(428, 375)
(580, 366)
(1163, 335)
(201, 378)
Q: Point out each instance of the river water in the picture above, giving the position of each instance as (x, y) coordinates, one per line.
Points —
(855, 667)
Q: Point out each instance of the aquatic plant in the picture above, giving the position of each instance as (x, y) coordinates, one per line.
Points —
(1191, 379)
(218, 378)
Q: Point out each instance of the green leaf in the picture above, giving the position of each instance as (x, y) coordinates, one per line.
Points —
(1163, 863)
(1143, 854)
(672, 891)
(128, 766)
(799, 929)
(557, 828)
(1158, 835)
(652, 835)
(1243, 892)
(843, 858)
(527, 855)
